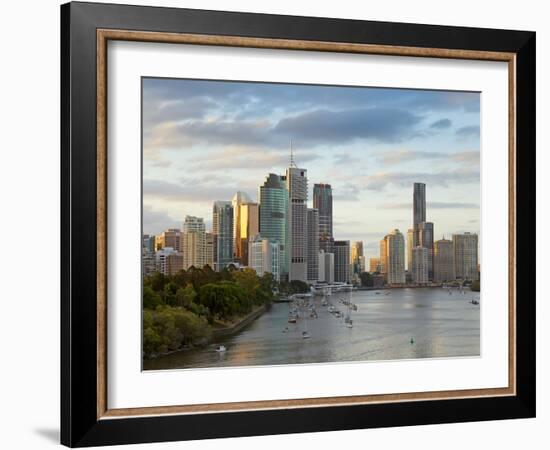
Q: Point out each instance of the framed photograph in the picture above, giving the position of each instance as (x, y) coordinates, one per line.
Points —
(276, 224)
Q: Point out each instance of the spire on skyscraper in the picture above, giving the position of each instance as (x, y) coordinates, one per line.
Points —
(292, 162)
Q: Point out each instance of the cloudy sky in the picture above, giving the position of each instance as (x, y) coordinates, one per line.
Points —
(205, 140)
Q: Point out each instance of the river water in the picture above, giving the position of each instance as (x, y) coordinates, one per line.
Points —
(441, 325)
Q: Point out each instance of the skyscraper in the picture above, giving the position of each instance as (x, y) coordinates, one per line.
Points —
(465, 249)
(444, 260)
(410, 246)
(193, 242)
(274, 217)
(426, 240)
(374, 265)
(263, 256)
(357, 256)
(326, 267)
(222, 228)
(249, 217)
(209, 243)
(322, 201)
(419, 204)
(384, 257)
(394, 257)
(240, 198)
(420, 265)
(296, 182)
(312, 245)
(341, 261)
(170, 238)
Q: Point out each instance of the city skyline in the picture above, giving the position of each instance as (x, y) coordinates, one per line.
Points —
(205, 140)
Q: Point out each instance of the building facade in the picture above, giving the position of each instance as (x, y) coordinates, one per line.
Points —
(465, 250)
(263, 256)
(239, 199)
(322, 201)
(326, 267)
(426, 240)
(249, 218)
(312, 245)
(194, 236)
(420, 265)
(444, 261)
(419, 204)
(222, 228)
(394, 257)
(274, 218)
(296, 183)
(357, 258)
(168, 261)
(374, 265)
(410, 246)
(341, 261)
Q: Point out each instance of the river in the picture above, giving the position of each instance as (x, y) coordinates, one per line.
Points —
(439, 324)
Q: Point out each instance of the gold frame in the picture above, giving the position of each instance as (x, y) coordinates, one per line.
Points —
(103, 36)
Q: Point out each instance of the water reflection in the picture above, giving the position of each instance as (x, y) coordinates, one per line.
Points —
(383, 325)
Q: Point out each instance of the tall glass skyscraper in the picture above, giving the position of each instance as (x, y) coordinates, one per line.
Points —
(274, 217)
(419, 204)
(296, 183)
(322, 201)
(222, 228)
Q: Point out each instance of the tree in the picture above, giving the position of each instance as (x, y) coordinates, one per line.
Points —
(151, 299)
(366, 279)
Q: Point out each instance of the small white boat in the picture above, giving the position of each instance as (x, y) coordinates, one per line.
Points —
(305, 335)
(221, 349)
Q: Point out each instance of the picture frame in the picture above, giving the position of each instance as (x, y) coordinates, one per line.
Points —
(86, 418)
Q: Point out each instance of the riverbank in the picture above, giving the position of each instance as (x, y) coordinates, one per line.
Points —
(235, 327)
(218, 332)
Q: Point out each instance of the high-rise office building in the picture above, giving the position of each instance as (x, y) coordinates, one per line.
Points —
(249, 217)
(357, 258)
(420, 265)
(322, 201)
(326, 267)
(383, 257)
(426, 240)
(392, 249)
(465, 249)
(374, 265)
(341, 261)
(296, 183)
(312, 245)
(410, 246)
(222, 228)
(168, 261)
(274, 217)
(423, 232)
(170, 238)
(419, 204)
(148, 261)
(193, 242)
(263, 256)
(239, 199)
(209, 243)
(444, 260)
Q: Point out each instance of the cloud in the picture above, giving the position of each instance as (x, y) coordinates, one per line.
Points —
(194, 190)
(380, 181)
(155, 222)
(400, 156)
(468, 131)
(435, 205)
(345, 158)
(247, 158)
(347, 192)
(441, 124)
(323, 126)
